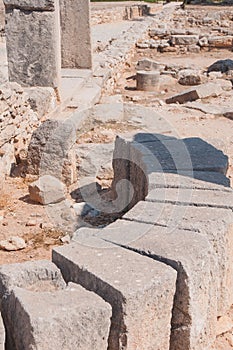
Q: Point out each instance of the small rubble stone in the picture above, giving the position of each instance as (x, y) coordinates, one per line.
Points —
(12, 244)
(189, 77)
(47, 189)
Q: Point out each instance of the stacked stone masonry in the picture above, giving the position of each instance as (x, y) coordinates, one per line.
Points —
(148, 276)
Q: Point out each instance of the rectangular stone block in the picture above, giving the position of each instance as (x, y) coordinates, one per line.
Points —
(185, 179)
(76, 50)
(139, 289)
(188, 197)
(184, 39)
(31, 5)
(33, 43)
(40, 312)
(200, 91)
(221, 41)
(214, 223)
(191, 255)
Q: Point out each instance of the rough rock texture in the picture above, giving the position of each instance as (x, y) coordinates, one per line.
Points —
(201, 91)
(139, 290)
(50, 151)
(214, 223)
(40, 312)
(46, 190)
(76, 48)
(189, 77)
(17, 123)
(33, 42)
(148, 64)
(187, 252)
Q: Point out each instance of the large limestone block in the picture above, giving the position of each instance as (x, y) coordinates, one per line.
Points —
(140, 291)
(198, 197)
(33, 42)
(214, 223)
(30, 5)
(41, 312)
(76, 50)
(72, 318)
(191, 255)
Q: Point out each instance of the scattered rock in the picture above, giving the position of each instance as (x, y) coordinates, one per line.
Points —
(201, 91)
(221, 66)
(189, 77)
(46, 190)
(12, 244)
(148, 65)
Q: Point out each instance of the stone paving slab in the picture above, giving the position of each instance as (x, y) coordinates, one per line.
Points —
(203, 180)
(195, 197)
(214, 223)
(140, 290)
(191, 255)
(192, 154)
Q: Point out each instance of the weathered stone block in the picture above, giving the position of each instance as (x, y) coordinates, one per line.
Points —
(76, 48)
(147, 80)
(201, 91)
(196, 197)
(191, 255)
(221, 41)
(140, 291)
(184, 39)
(33, 43)
(214, 223)
(47, 189)
(31, 5)
(41, 312)
(50, 151)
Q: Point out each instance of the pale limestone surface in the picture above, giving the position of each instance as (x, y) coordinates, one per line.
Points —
(76, 49)
(33, 42)
(41, 312)
(140, 291)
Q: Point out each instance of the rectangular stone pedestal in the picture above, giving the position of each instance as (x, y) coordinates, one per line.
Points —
(33, 42)
(75, 34)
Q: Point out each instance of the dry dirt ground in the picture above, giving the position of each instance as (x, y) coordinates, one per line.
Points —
(20, 217)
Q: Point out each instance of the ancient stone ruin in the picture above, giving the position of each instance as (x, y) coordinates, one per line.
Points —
(116, 168)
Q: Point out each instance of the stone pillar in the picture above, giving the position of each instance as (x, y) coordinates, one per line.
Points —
(76, 48)
(33, 42)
